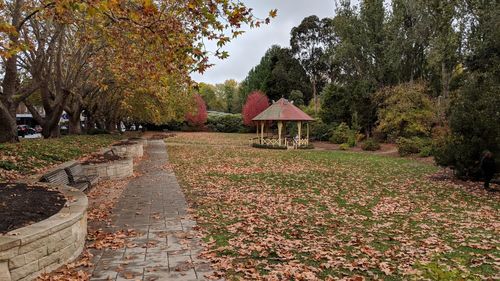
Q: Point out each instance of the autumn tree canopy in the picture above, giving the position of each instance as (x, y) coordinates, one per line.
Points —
(67, 51)
(198, 116)
(256, 102)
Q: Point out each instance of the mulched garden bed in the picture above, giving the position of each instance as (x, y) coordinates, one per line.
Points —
(22, 205)
(161, 136)
(101, 158)
(122, 143)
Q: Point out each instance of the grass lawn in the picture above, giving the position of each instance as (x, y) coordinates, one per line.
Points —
(305, 215)
(33, 155)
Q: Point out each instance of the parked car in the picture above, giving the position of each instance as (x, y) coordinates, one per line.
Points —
(24, 130)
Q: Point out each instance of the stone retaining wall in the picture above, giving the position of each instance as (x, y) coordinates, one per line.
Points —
(27, 252)
(133, 150)
(117, 169)
(142, 141)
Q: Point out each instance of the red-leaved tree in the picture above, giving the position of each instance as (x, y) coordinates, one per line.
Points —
(199, 116)
(256, 102)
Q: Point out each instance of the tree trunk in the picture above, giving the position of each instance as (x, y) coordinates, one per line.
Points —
(445, 80)
(75, 127)
(8, 126)
(110, 126)
(51, 129)
(100, 124)
(89, 122)
(55, 132)
(315, 96)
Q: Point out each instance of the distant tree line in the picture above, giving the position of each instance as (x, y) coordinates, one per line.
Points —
(422, 72)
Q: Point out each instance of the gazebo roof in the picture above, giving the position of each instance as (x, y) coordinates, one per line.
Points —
(282, 110)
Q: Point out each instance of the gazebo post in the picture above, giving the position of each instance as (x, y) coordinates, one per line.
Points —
(262, 132)
(307, 133)
(284, 131)
(299, 126)
(280, 125)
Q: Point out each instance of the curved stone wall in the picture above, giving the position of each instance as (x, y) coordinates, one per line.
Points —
(27, 252)
(117, 169)
(142, 141)
(132, 150)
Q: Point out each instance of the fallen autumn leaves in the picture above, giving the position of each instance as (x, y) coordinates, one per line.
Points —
(102, 199)
(307, 215)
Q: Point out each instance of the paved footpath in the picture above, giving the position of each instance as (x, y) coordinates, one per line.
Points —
(153, 205)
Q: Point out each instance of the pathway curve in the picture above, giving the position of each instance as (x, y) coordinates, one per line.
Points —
(153, 205)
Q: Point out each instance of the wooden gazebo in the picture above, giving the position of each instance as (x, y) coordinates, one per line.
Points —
(281, 112)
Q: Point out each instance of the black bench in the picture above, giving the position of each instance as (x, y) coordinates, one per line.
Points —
(61, 177)
(75, 175)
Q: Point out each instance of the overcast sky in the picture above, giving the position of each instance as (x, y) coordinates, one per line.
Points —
(246, 51)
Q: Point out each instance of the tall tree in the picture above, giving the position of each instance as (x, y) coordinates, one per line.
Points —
(473, 113)
(209, 95)
(308, 42)
(230, 92)
(357, 58)
(408, 32)
(277, 75)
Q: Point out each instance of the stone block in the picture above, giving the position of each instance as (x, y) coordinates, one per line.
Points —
(4, 271)
(48, 260)
(17, 261)
(68, 252)
(7, 242)
(36, 254)
(24, 271)
(10, 253)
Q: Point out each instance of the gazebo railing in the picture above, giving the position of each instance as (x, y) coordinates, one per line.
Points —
(285, 142)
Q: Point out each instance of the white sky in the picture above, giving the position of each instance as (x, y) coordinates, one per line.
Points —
(246, 51)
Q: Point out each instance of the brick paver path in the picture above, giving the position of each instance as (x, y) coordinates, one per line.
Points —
(153, 205)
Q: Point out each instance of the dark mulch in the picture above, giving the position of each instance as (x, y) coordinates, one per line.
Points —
(127, 142)
(101, 158)
(161, 136)
(22, 205)
(447, 175)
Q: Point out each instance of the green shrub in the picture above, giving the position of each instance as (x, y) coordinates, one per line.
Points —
(414, 145)
(406, 110)
(460, 154)
(473, 120)
(320, 131)
(226, 123)
(341, 134)
(426, 151)
(351, 141)
(370, 145)
(360, 137)
(344, 146)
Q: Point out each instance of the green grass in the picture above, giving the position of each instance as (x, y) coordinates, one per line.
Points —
(28, 156)
(333, 214)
